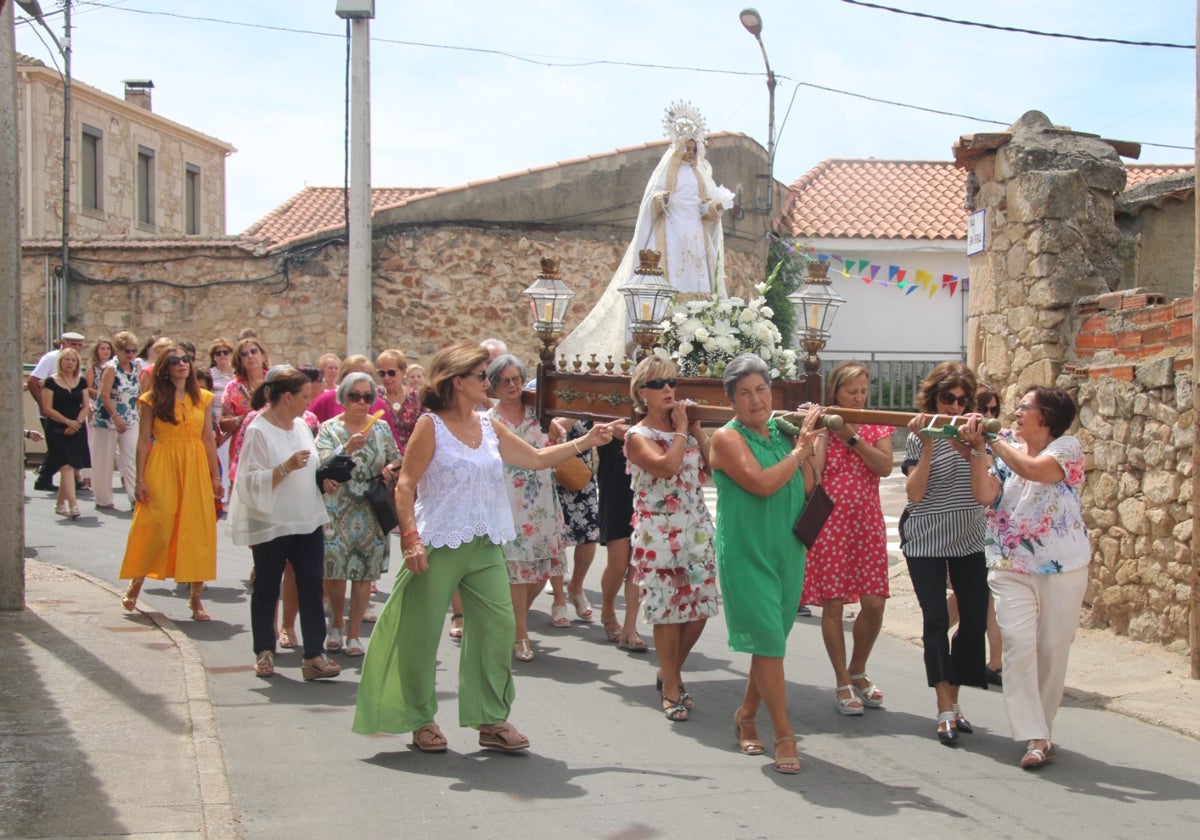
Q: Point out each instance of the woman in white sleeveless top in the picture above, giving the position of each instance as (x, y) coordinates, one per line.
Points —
(454, 517)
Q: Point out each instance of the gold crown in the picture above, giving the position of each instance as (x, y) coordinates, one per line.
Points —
(550, 269)
(648, 262)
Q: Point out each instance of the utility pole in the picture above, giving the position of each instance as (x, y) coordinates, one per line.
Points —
(12, 508)
(1194, 612)
(358, 275)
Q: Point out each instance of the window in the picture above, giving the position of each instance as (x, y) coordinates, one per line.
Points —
(191, 199)
(91, 157)
(145, 186)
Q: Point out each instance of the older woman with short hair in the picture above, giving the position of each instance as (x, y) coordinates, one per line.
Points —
(326, 405)
(535, 554)
(762, 479)
(673, 554)
(356, 548)
(1037, 552)
(403, 403)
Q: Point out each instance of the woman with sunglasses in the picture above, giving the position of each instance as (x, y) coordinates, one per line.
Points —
(174, 532)
(250, 364)
(848, 562)
(674, 556)
(326, 405)
(356, 548)
(403, 403)
(115, 424)
(1037, 552)
(454, 518)
(221, 372)
(941, 535)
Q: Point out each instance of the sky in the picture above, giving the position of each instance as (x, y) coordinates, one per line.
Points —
(464, 90)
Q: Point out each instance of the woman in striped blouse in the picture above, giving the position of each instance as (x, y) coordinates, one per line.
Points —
(941, 535)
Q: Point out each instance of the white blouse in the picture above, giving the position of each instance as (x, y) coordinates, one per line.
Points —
(260, 512)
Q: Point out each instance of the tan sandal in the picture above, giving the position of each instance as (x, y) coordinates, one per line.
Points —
(429, 739)
(198, 611)
(321, 668)
(746, 746)
(129, 599)
(264, 664)
(633, 643)
(784, 764)
(503, 737)
(612, 627)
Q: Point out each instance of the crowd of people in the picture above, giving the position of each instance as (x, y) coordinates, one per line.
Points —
(319, 464)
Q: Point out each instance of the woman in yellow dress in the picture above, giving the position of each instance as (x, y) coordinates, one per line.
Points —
(174, 528)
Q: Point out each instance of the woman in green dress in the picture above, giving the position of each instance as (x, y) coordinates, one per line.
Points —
(762, 479)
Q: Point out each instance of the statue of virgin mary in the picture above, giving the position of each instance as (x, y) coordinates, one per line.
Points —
(680, 217)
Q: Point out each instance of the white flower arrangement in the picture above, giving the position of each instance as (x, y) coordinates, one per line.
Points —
(702, 336)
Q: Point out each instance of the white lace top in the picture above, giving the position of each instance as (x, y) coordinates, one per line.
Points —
(462, 493)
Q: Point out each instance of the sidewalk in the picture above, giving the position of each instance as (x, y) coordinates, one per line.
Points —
(106, 727)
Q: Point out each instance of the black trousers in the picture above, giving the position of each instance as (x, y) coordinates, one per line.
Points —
(961, 660)
(306, 553)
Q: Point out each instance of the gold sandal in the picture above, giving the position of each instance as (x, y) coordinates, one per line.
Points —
(746, 746)
(129, 599)
(784, 764)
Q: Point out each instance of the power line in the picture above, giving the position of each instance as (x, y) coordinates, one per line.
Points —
(1020, 30)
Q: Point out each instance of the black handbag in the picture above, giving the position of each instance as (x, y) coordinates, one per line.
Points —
(337, 467)
(382, 501)
(817, 509)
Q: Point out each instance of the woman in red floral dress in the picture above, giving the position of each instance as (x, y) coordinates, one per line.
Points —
(848, 562)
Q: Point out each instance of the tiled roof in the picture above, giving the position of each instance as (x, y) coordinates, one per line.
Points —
(878, 199)
(29, 61)
(316, 208)
(1140, 173)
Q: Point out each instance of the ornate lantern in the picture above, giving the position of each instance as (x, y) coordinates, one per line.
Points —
(647, 296)
(816, 304)
(549, 298)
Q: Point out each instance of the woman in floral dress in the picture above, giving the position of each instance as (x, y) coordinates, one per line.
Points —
(356, 548)
(115, 423)
(536, 553)
(848, 562)
(403, 403)
(673, 551)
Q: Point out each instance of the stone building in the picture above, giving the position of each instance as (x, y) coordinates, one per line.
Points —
(1072, 290)
(133, 173)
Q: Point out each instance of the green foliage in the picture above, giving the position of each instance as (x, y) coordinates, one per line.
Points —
(786, 266)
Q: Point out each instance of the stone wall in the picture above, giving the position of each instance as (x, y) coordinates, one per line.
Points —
(432, 285)
(1132, 375)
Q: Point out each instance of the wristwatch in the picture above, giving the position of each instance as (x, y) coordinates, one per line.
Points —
(852, 441)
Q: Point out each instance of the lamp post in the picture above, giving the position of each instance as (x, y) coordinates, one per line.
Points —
(56, 297)
(647, 296)
(816, 304)
(752, 21)
(549, 298)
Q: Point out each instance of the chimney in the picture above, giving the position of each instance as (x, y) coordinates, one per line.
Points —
(137, 92)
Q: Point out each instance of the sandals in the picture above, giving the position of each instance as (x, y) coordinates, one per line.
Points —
(961, 723)
(523, 650)
(503, 737)
(558, 616)
(61, 510)
(1037, 756)
(612, 628)
(456, 626)
(129, 599)
(287, 638)
(321, 668)
(632, 643)
(674, 710)
(354, 647)
(870, 694)
(852, 705)
(784, 764)
(198, 611)
(264, 664)
(74, 512)
(333, 639)
(582, 608)
(947, 732)
(684, 697)
(746, 746)
(429, 739)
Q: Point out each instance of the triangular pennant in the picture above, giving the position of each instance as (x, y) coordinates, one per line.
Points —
(875, 270)
(952, 286)
(923, 278)
(911, 289)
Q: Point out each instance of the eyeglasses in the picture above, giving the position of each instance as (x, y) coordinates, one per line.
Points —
(249, 351)
(359, 396)
(179, 360)
(128, 349)
(481, 375)
(224, 351)
(659, 384)
(1023, 407)
(512, 380)
(388, 372)
(949, 398)
(993, 409)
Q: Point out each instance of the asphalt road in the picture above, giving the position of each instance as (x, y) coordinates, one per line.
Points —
(605, 763)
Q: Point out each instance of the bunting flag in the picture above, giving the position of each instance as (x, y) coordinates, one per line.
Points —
(905, 279)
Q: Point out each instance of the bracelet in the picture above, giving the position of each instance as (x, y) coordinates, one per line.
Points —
(406, 534)
(575, 443)
(680, 434)
(282, 470)
(980, 453)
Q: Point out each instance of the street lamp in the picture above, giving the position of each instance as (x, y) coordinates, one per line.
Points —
(56, 300)
(816, 304)
(549, 298)
(647, 296)
(752, 21)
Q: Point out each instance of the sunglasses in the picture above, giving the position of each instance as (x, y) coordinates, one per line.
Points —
(128, 349)
(223, 352)
(947, 398)
(659, 384)
(993, 410)
(179, 360)
(481, 375)
(358, 396)
(249, 351)
(392, 372)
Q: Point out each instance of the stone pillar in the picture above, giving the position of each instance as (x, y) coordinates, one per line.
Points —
(1051, 238)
